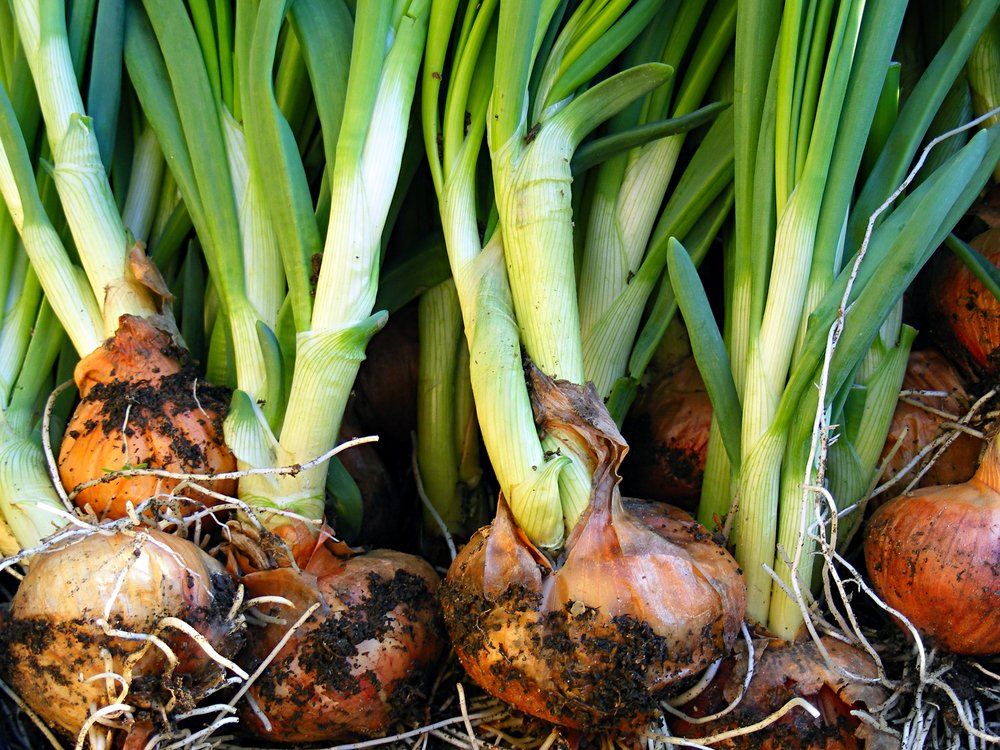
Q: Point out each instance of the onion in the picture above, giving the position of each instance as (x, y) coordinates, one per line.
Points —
(138, 391)
(54, 641)
(934, 555)
(967, 313)
(929, 371)
(783, 671)
(641, 598)
(668, 431)
(360, 662)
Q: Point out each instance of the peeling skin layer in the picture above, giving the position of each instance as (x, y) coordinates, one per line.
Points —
(360, 663)
(784, 671)
(641, 598)
(52, 636)
(139, 390)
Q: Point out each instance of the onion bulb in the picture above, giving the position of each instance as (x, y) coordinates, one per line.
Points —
(141, 406)
(668, 431)
(913, 427)
(641, 597)
(73, 614)
(934, 555)
(783, 671)
(360, 662)
(968, 315)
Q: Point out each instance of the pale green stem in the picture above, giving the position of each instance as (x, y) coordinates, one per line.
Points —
(19, 318)
(265, 282)
(470, 470)
(87, 201)
(440, 322)
(369, 154)
(983, 70)
(144, 186)
(65, 285)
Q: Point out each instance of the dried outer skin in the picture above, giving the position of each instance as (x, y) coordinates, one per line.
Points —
(934, 555)
(928, 370)
(171, 421)
(641, 598)
(968, 324)
(360, 663)
(52, 635)
(783, 671)
(668, 433)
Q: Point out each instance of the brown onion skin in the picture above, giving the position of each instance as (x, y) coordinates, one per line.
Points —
(928, 370)
(361, 662)
(783, 671)
(640, 598)
(967, 314)
(52, 634)
(667, 430)
(141, 371)
(934, 555)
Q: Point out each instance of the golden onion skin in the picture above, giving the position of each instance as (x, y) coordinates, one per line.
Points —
(136, 390)
(640, 598)
(362, 661)
(53, 642)
(783, 671)
(934, 555)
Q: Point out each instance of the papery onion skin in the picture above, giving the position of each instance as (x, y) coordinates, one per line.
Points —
(360, 663)
(138, 381)
(52, 635)
(967, 314)
(642, 598)
(782, 672)
(934, 555)
(913, 427)
(668, 431)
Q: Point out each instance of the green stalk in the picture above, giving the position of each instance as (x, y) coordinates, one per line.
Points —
(144, 186)
(528, 479)
(21, 308)
(79, 174)
(611, 340)
(369, 152)
(629, 193)
(66, 289)
(27, 498)
(983, 70)
(917, 113)
(178, 102)
(440, 321)
(531, 173)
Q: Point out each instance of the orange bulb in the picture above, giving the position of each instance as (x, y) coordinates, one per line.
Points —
(141, 407)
